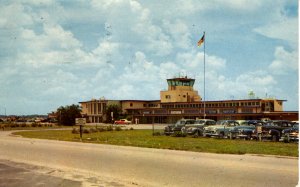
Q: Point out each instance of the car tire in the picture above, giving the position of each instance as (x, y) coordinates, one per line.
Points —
(274, 138)
(196, 134)
(248, 137)
(221, 135)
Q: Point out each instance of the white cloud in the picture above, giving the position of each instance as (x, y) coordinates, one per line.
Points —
(179, 32)
(194, 61)
(221, 87)
(13, 16)
(285, 29)
(284, 62)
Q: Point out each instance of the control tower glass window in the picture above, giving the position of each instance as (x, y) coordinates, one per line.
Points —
(181, 82)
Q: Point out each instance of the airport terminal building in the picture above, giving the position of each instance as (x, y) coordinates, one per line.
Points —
(182, 101)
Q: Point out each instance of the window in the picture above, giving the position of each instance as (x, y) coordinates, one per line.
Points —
(168, 97)
(131, 104)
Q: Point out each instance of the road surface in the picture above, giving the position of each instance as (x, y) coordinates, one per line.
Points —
(108, 165)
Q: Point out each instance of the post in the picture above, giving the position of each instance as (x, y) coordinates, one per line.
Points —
(259, 132)
(204, 74)
(259, 137)
(152, 125)
(80, 122)
(152, 129)
(80, 130)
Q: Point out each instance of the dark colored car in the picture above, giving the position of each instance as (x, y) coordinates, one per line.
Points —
(177, 127)
(242, 132)
(291, 134)
(196, 129)
(245, 130)
(271, 130)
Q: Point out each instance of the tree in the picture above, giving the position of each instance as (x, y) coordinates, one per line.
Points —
(66, 115)
(116, 109)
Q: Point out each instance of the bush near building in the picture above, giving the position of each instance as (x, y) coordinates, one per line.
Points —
(66, 114)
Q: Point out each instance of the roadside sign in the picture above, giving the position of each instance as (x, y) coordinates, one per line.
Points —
(259, 129)
(80, 121)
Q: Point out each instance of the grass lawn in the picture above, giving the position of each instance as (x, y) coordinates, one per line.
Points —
(144, 138)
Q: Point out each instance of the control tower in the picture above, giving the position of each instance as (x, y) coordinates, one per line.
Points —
(180, 90)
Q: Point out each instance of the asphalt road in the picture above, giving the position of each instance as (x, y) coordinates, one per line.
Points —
(108, 165)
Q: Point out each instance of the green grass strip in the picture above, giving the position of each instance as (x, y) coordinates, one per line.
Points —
(144, 138)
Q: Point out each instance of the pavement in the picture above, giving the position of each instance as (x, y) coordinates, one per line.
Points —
(14, 174)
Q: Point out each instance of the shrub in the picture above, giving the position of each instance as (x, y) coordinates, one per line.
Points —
(75, 131)
(101, 129)
(156, 134)
(86, 131)
(118, 128)
(109, 128)
(178, 134)
(131, 128)
(93, 130)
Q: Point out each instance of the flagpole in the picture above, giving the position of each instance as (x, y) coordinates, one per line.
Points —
(204, 76)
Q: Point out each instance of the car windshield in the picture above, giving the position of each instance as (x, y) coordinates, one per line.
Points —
(200, 122)
(296, 126)
(220, 122)
(180, 122)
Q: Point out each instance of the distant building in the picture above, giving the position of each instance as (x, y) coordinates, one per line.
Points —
(182, 101)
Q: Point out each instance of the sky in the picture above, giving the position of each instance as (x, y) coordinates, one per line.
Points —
(58, 53)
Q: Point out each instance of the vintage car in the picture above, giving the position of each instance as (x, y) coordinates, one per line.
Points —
(196, 129)
(271, 130)
(221, 129)
(177, 127)
(245, 130)
(291, 134)
(122, 122)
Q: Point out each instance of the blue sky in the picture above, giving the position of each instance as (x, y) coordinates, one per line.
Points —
(57, 53)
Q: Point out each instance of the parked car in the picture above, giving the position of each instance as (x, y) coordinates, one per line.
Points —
(122, 122)
(252, 122)
(245, 130)
(291, 134)
(271, 130)
(221, 129)
(196, 129)
(177, 127)
(242, 132)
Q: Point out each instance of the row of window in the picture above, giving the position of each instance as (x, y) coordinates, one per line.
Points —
(96, 108)
(193, 111)
(229, 104)
(209, 104)
(181, 83)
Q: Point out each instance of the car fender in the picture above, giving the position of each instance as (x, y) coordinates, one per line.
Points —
(274, 132)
